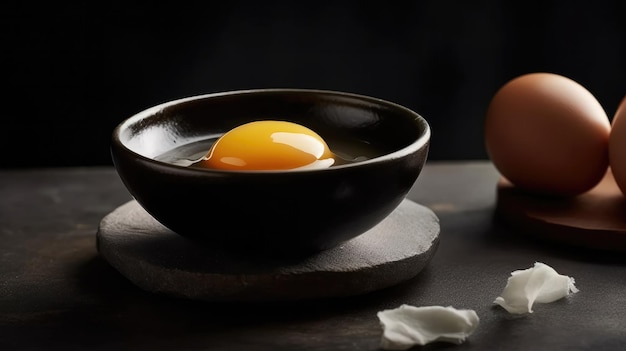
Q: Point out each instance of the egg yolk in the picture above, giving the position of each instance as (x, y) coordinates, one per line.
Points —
(269, 145)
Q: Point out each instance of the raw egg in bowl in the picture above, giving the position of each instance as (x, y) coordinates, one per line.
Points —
(271, 170)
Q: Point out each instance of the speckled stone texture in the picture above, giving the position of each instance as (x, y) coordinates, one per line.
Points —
(160, 261)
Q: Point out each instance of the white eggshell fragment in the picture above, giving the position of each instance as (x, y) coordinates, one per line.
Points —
(540, 283)
(407, 326)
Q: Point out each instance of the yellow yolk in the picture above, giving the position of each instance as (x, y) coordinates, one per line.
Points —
(269, 145)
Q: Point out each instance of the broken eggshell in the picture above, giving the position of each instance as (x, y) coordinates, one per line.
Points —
(540, 283)
(407, 326)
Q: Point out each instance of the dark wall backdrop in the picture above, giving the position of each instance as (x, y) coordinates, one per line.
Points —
(71, 72)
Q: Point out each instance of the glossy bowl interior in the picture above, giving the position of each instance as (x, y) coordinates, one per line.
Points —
(272, 212)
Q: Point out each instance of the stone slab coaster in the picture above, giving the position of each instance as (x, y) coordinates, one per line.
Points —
(160, 261)
(593, 220)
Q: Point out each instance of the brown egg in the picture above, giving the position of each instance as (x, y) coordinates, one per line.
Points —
(547, 134)
(617, 146)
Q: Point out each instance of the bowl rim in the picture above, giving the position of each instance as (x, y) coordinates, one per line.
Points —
(415, 146)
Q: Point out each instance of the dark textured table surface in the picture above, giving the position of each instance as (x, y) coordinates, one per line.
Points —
(57, 293)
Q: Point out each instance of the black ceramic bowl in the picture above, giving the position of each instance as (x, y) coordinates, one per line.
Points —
(290, 212)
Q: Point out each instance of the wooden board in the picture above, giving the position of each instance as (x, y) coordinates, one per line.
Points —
(594, 220)
(160, 261)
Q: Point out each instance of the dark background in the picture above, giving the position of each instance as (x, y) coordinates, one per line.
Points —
(71, 72)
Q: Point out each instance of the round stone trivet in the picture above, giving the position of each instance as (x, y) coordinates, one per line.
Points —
(160, 261)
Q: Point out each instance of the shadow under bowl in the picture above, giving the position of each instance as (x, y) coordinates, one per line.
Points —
(290, 212)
